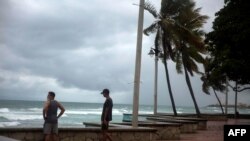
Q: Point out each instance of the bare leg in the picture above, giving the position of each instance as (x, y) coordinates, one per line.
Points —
(55, 137)
(103, 136)
(47, 137)
(106, 136)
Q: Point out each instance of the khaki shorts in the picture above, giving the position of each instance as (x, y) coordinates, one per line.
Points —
(50, 128)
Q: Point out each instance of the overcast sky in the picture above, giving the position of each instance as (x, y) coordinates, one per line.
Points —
(78, 47)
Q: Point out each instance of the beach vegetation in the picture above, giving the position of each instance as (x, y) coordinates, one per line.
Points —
(190, 47)
(215, 81)
(228, 47)
(178, 31)
(162, 39)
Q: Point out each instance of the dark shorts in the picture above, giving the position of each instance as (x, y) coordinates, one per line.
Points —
(105, 126)
(50, 128)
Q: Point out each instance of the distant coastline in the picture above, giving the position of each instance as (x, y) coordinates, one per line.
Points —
(240, 105)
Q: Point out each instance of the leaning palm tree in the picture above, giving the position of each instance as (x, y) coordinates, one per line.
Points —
(177, 26)
(214, 79)
(189, 45)
(163, 37)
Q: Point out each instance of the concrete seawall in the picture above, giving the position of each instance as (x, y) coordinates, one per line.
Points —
(81, 134)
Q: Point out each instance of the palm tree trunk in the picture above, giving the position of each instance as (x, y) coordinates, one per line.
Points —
(219, 101)
(191, 92)
(165, 45)
(169, 87)
(236, 97)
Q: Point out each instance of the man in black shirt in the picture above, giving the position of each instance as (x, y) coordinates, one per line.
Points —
(106, 114)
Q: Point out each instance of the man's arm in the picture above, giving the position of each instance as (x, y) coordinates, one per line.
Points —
(45, 109)
(61, 108)
(105, 115)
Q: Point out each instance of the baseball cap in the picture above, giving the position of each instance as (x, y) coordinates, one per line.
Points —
(105, 91)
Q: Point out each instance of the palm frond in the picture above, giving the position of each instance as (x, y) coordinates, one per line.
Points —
(191, 66)
(151, 29)
(194, 67)
(166, 44)
(193, 53)
(189, 37)
(199, 32)
(172, 8)
(151, 9)
(157, 40)
(178, 63)
(220, 87)
(197, 22)
(205, 87)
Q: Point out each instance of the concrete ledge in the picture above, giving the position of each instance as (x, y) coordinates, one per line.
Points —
(81, 134)
(208, 116)
(98, 124)
(186, 126)
(165, 131)
(215, 117)
(202, 122)
(2, 138)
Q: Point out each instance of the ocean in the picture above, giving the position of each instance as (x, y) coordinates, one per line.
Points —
(15, 113)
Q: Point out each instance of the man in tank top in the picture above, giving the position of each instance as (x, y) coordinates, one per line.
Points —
(50, 116)
(106, 115)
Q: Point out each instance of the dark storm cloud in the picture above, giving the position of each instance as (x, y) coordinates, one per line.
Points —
(79, 47)
(45, 39)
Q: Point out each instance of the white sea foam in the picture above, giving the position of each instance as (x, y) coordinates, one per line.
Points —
(117, 112)
(64, 115)
(35, 109)
(13, 116)
(74, 112)
(145, 112)
(4, 110)
(217, 110)
(23, 114)
(6, 124)
(93, 112)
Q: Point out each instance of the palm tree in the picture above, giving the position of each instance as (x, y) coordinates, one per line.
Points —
(190, 46)
(214, 79)
(178, 30)
(162, 40)
(235, 104)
